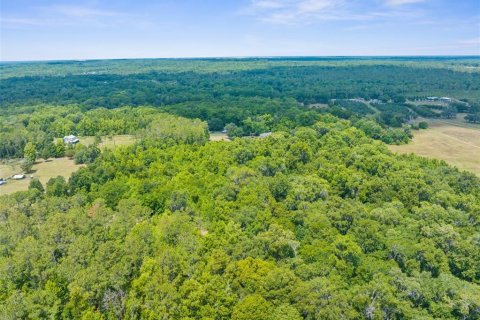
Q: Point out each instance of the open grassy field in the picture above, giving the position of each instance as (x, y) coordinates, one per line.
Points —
(41, 170)
(219, 136)
(454, 141)
(62, 166)
(109, 142)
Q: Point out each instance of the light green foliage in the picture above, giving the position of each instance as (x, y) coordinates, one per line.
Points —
(312, 222)
(30, 153)
(36, 184)
(26, 166)
(165, 128)
(320, 223)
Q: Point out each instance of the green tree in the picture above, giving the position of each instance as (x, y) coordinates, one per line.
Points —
(233, 130)
(57, 187)
(29, 152)
(423, 125)
(36, 184)
(253, 307)
(26, 166)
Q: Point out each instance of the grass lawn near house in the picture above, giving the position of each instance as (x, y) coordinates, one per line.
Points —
(41, 170)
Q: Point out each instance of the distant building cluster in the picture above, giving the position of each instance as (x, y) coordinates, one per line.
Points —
(444, 99)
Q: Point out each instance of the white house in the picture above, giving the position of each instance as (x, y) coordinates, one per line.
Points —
(71, 139)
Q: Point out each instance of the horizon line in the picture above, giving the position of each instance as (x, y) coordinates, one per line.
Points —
(246, 57)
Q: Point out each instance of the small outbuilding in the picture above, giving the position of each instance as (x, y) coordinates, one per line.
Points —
(71, 139)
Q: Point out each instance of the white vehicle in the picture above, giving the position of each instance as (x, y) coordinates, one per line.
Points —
(18, 177)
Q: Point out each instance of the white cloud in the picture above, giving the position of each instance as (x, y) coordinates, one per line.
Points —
(401, 2)
(63, 15)
(304, 11)
(313, 6)
(268, 4)
(290, 11)
(18, 21)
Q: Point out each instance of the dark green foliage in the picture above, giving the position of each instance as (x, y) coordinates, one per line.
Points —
(86, 154)
(49, 150)
(233, 130)
(473, 117)
(423, 125)
(36, 184)
(220, 92)
(424, 111)
(354, 106)
(394, 115)
(307, 82)
(449, 112)
(57, 187)
(216, 124)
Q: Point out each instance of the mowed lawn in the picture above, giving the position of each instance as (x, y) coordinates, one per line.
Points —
(455, 142)
(41, 170)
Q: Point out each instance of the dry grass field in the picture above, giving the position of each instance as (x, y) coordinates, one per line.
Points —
(219, 136)
(109, 142)
(454, 141)
(41, 170)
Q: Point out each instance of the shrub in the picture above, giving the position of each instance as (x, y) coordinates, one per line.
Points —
(423, 125)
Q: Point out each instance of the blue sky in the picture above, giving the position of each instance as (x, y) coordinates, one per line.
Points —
(62, 29)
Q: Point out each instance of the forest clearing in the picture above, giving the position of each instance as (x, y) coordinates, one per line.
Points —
(456, 142)
(41, 170)
(64, 166)
(219, 136)
(109, 142)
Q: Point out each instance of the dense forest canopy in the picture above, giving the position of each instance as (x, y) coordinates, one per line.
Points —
(308, 84)
(205, 65)
(320, 223)
(316, 220)
(248, 96)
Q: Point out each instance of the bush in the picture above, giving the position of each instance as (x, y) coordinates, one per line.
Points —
(26, 166)
(86, 154)
(57, 187)
(70, 153)
(423, 125)
(36, 184)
